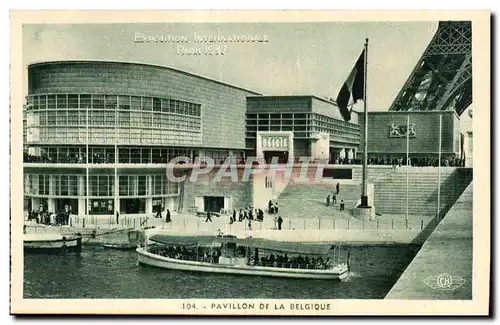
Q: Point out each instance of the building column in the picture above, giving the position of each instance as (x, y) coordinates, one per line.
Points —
(149, 206)
(149, 185)
(81, 187)
(350, 154)
(342, 153)
(169, 203)
(51, 205)
(52, 184)
(35, 203)
(81, 207)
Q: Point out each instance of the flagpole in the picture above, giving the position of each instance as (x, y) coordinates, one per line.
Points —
(364, 195)
(439, 166)
(407, 162)
(87, 202)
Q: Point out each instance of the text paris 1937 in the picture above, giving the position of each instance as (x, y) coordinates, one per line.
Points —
(205, 49)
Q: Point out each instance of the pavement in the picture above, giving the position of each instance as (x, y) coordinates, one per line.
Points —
(336, 227)
(442, 269)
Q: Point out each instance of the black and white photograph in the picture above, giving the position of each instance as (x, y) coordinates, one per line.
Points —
(219, 163)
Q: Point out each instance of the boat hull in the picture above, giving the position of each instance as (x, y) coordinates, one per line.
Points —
(119, 246)
(70, 245)
(150, 259)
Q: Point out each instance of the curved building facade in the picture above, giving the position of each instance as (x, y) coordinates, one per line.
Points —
(87, 116)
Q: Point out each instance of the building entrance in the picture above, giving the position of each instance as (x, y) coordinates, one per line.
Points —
(62, 203)
(213, 203)
(132, 206)
(282, 156)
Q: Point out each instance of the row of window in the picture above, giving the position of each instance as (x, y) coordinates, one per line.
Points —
(134, 155)
(112, 119)
(113, 102)
(299, 119)
(339, 135)
(296, 134)
(332, 123)
(109, 135)
(278, 116)
(99, 185)
(281, 103)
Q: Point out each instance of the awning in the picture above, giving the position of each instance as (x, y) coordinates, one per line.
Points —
(289, 247)
(262, 244)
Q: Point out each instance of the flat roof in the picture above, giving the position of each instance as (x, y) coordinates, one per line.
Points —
(294, 96)
(141, 64)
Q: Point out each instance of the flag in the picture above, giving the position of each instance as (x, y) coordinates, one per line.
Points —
(353, 87)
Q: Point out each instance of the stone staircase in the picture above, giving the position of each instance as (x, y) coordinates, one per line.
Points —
(390, 190)
(309, 200)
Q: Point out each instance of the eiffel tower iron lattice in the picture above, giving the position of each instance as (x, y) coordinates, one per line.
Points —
(442, 78)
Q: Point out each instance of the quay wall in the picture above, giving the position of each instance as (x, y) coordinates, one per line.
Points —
(447, 252)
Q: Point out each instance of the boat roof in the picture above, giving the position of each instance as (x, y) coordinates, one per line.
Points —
(259, 243)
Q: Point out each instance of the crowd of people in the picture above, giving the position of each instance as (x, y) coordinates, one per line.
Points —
(295, 262)
(252, 214)
(69, 159)
(200, 254)
(332, 199)
(168, 216)
(187, 254)
(109, 159)
(43, 216)
(413, 161)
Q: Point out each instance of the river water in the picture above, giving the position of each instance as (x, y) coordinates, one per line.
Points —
(106, 273)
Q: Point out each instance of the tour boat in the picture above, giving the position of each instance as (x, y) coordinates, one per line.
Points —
(52, 243)
(230, 255)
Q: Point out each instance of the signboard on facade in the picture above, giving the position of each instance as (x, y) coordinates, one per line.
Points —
(399, 130)
(275, 142)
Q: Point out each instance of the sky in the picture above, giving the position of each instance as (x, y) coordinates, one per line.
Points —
(299, 58)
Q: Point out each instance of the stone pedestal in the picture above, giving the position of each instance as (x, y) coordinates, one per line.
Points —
(357, 213)
(364, 213)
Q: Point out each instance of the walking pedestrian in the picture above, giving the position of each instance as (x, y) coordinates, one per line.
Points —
(158, 212)
(168, 217)
(250, 224)
(342, 205)
(276, 207)
(338, 188)
(328, 200)
(209, 218)
(117, 217)
(334, 199)
(280, 221)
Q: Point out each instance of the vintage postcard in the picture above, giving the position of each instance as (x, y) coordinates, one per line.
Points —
(250, 163)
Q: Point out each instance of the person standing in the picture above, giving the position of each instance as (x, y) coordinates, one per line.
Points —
(334, 199)
(338, 188)
(328, 200)
(276, 207)
(250, 224)
(168, 217)
(234, 215)
(342, 205)
(269, 207)
(280, 221)
(117, 217)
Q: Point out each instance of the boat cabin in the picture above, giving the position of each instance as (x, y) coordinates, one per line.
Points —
(231, 251)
